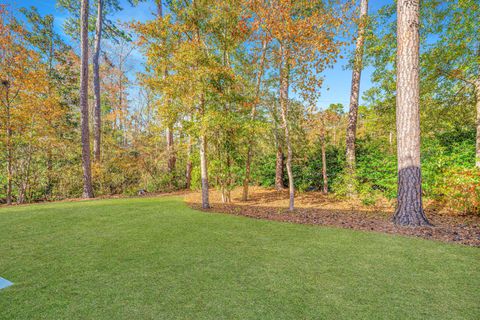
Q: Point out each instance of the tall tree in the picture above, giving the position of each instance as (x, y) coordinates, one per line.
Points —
(409, 199)
(41, 36)
(189, 165)
(258, 83)
(477, 146)
(183, 41)
(202, 107)
(97, 123)
(305, 36)
(279, 165)
(354, 95)
(29, 102)
(284, 71)
(279, 156)
(87, 171)
(104, 28)
(8, 140)
(169, 123)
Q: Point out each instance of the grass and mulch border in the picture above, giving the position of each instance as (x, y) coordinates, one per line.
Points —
(315, 209)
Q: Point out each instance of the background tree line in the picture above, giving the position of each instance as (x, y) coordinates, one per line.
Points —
(228, 97)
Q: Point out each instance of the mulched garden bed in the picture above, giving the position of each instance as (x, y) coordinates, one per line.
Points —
(455, 229)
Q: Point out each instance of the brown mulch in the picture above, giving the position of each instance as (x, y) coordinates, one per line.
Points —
(316, 209)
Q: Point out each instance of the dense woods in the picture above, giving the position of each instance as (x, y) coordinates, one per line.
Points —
(227, 97)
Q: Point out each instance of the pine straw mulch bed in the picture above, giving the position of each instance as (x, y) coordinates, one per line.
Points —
(313, 208)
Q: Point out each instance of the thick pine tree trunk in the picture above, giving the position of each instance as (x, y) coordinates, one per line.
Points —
(409, 210)
(97, 126)
(248, 161)
(87, 172)
(355, 91)
(284, 85)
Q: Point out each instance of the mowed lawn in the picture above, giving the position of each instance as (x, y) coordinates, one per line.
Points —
(155, 258)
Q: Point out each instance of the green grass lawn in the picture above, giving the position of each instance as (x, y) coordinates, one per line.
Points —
(155, 258)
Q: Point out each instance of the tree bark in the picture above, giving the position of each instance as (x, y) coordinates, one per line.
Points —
(355, 91)
(390, 141)
(279, 169)
(409, 210)
(203, 137)
(204, 171)
(97, 124)
(324, 167)
(248, 161)
(188, 170)
(87, 172)
(170, 150)
(279, 185)
(203, 160)
(49, 182)
(477, 145)
(284, 86)
(159, 7)
(169, 130)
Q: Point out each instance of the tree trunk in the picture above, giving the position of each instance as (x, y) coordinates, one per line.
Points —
(87, 172)
(169, 131)
(204, 171)
(227, 182)
(8, 143)
(170, 150)
(284, 85)
(188, 170)
(477, 99)
(203, 137)
(390, 141)
(248, 161)
(97, 130)
(355, 90)
(324, 167)
(279, 169)
(24, 182)
(409, 199)
(9, 176)
(49, 184)
(159, 7)
(279, 157)
(203, 160)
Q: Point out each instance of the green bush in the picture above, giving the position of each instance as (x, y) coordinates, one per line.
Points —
(459, 190)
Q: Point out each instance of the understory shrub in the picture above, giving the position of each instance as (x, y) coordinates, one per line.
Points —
(459, 190)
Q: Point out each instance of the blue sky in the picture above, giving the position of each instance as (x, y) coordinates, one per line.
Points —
(336, 88)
